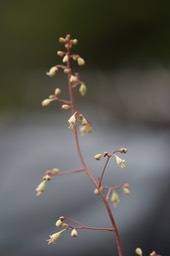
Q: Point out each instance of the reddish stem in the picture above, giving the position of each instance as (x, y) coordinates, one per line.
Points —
(91, 178)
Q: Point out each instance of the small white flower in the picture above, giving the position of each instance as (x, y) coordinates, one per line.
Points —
(41, 187)
(120, 161)
(72, 120)
(54, 237)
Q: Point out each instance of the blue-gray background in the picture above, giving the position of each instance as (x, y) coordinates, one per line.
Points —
(126, 48)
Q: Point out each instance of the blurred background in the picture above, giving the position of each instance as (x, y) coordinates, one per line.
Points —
(127, 72)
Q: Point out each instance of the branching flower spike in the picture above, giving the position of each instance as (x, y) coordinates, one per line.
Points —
(80, 125)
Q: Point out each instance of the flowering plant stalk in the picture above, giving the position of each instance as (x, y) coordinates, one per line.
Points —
(79, 124)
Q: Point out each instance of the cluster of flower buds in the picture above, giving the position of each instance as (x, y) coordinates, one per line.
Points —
(86, 126)
(119, 161)
(60, 223)
(41, 187)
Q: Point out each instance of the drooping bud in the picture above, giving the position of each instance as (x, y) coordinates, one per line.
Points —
(65, 59)
(105, 154)
(52, 71)
(123, 150)
(84, 121)
(57, 91)
(139, 252)
(65, 107)
(73, 79)
(96, 191)
(60, 53)
(41, 187)
(82, 89)
(80, 61)
(75, 41)
(115, 198)
(65, 225)
(98, 157)
(62, 40)
(67, 70)
(74, 233)
(59, 223)
(46, 102)
(87, 128)
(55, 170)
(126, 190)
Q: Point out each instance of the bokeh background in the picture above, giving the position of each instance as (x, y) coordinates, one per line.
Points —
(126, 48)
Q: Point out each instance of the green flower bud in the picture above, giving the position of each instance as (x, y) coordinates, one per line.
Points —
(82, 89)
(65, 59)
(46, 102)
(55, 170)
(80, 61)
(59, 223)
(139, 252)
(57, 91)
(98, 156)
(115, 198)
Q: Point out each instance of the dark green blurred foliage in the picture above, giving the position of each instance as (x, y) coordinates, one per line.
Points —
(112, 35)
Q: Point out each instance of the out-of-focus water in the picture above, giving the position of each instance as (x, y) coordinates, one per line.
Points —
(32, 143)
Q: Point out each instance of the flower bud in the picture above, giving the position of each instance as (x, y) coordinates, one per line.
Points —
(46, 102)
(41, 187)
(105, 154)
(126, 191)
(115, 198)
(55, 170)
(62, 40)
(75, 41)
(74, 233)
(73, 79)
(80, 61)
(60, 53)
(87, 128)
(67, 70)
(123, 150)
(96, 191)
(65, 106)
(47, 177)
(65, 59)
(57, 91)
(98, 156)
(82, 89)
(138, 251)
(65, 225)
(59, 223)
(52, 71)
(84, 121)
